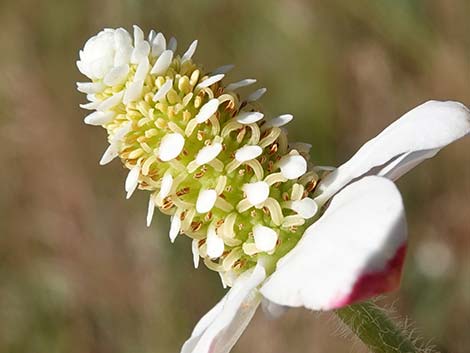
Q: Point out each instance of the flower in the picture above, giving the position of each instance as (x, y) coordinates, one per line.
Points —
(279, 230)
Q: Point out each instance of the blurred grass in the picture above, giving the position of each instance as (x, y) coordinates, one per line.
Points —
(80, 272)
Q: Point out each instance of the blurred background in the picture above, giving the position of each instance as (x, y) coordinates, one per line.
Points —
(80, 272)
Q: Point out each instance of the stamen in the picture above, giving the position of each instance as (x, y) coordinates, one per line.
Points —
(274, 178)
(275, 210)
(292, 221)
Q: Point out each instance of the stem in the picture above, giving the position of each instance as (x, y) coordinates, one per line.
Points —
(375, 329)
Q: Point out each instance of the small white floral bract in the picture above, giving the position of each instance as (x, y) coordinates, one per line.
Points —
(356, 249)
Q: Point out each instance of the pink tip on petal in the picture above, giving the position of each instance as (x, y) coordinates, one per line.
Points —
(375, 283)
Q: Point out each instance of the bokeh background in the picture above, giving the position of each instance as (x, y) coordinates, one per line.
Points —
(80, 272)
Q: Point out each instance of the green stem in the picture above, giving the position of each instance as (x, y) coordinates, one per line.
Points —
(375, 329)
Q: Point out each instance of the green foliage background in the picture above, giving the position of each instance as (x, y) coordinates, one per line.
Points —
(80, 272)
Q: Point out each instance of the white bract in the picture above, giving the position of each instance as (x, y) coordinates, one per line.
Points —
(356, 248)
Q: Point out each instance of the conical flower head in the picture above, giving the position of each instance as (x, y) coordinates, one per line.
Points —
(224, 172)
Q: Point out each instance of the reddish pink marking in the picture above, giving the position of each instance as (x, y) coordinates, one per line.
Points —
(371, 284)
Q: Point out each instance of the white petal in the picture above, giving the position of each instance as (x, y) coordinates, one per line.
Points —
(158, 44)
(138, 34)
(152, 35)
(165, 188)
(265, 238)
(306, 208)
(354, 251)
(142, 69)
(280, 120)
(163, 63)
(190, 52)
(223, 69)
(90, 105)
(150, 210)
(206, 200)
(195, 251)
(163, 90)
(207, 110)
(210, 81)
(116, 76)
(140, 52)
(220, 328)
(215, 245)
(249, 117)
(108, 155)
(170, 146)
(133, 92)
(113, 149)
(99, 118)
(172, 44)
(256, 193)
(256, 95)
(132, 181)
(247, 153)
(240, 84)
(111, 102)
(175, 227)
(430, 126)
(293, 166)
(208, 153)
(90, 87)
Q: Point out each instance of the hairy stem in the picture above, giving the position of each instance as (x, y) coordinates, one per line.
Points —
(375, 329)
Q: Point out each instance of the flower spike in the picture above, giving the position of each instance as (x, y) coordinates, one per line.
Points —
(211, 160)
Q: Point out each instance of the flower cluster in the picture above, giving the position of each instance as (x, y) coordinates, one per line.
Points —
(249, 200)
(224, 172)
